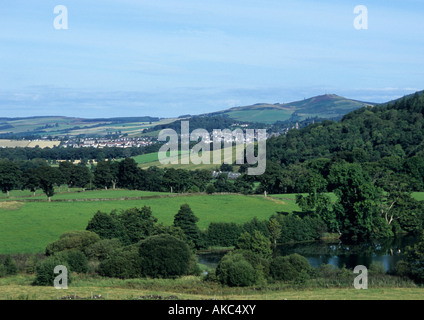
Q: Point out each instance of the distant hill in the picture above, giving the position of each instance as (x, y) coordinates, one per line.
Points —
(71, 126)
(393, 129)
(328, 106)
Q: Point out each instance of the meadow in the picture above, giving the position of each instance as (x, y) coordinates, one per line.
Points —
(28, 224)
(19, 287)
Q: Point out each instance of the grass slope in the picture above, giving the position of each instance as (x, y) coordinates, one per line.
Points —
(324, 106)
(27, 227)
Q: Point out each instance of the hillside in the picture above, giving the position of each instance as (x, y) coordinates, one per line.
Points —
(386, 139)
(327, 106)
(71, 126)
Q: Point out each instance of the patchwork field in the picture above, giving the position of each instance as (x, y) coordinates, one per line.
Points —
(228, 155)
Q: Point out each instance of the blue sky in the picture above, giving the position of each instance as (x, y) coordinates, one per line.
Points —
(166, 58)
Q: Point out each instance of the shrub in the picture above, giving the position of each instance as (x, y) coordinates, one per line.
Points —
(76, 260)
(71, 240)
(376, 268)
(210, 189)
(402, 268)
(164, 256)
(102, 249)
(222, 234)
(123, 263)
(233, 273)
(8, 266)
(257, 243)
(240, 273)
(45, 271)
(290, 268)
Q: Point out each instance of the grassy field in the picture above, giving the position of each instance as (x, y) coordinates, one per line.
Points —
(28, 226)
(192, 288)
(152, 159)
(28, 223)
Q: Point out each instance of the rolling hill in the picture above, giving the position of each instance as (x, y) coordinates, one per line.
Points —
(328, 106)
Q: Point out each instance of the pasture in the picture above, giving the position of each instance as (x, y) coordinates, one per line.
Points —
(28, 224)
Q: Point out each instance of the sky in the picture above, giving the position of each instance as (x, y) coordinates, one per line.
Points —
(166, 58)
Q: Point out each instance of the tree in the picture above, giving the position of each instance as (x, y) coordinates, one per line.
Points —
(10, 175)
(48, 177)
(256, 243)
(270, 180)
(275, 229)
(123, 263)
(103, 175)
(138, 224)
(107, 226)
(30, 180)
(81, 176)
(66, 167)
(164, 256)
(186, 220)
(242, 268)
(415, 261)
(293, 267)
(72, 240)
(130, 176)
(357, 206)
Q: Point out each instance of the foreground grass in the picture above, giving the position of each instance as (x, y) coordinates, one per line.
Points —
(193, 288)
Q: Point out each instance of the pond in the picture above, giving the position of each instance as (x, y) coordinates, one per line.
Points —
(386, 252)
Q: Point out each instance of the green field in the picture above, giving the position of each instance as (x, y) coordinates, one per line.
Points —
(56, 126)
(152, 160)
(28, 226)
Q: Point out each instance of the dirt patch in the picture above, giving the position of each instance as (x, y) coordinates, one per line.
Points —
(276, 200)
(10, 205)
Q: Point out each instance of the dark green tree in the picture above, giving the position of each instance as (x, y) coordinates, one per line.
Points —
(186, 220)
(256, 243)
(358, 201)
(164, 256)
(48, 178)
(10, 176)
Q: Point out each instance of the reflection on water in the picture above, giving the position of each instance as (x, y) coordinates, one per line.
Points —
(386, 252)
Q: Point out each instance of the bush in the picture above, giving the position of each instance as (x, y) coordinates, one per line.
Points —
(233, 273)
(240, 273)
(402, 268)
(376, 268)
(76, 260)
(293, 267)
(102, 249)
(123, 263)
(45, 271)
(257, 243)
(72, 240)
(164, 256)
(210, 189)
(222, 234)
(234, 270)
(8, 266)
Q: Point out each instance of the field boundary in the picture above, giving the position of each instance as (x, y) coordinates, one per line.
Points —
(129, 198)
